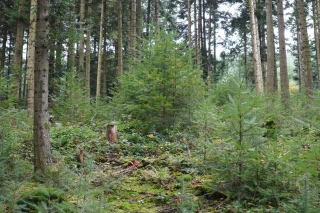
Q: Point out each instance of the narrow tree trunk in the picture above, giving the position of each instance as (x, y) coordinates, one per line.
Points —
(189, 24)
(204, 38)
(195, 32)
(88, 54)
(71, 55)
(133, 28)
(209, 45)
(31, 57)
(129, 54)
(156, 15)
(3, 49)
(120, 57)
(256, 48)
(284, 79)
(215, 74)
(148, 18)
(318, 33)
(100, 54)
(81, 41)
(138, 29)
(305, 49)
(199, 34)
(270, 75)
(17, 60)
(42, 153)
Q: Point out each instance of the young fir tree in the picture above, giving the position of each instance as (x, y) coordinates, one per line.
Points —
(163, 89)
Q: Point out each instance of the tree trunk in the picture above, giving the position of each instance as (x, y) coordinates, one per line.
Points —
(120, 57)
(199, 34)
(31, 57)
(195, 32)
(156, 15)
(112, 133)
(17, 60)
(318, 38)
(81, 41)
(133, 28)
(284, 79)
(305, 49)
(3, 49)
(270, 75)
(100, 54)
(138, 29)
(42, 154)
(71, 55)
(189, 24)
(88, 54)
(256, 48)
(148, 18)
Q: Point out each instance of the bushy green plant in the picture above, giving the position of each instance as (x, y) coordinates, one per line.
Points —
(163, 89)
(72, 105)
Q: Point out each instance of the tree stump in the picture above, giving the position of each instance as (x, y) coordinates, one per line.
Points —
(112, 133)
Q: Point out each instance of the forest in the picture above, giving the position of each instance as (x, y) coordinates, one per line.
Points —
(159, 106)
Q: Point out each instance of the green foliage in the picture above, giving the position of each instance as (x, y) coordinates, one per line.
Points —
(44, 197)
(72, 105)
(7, 98)
(163, 89)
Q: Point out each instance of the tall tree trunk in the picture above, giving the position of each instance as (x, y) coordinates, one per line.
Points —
(129, 50)
(42, 153)
(199, 33)
(204, 38)
(305, 49)
(31, 57)
(301, 78)
(71, 54)
(318, 39)
(88, 53)
(3, 49)
(189, 24)
(195, 32)
(148, 18)
(17, 60)
(120, 57)
(284, 79)
(133, 28)
(256, 48)
(156, 15)
(81, 41)
(270, 75)
(215, 74)
(209, 45)
(138, 29)
(100, 54)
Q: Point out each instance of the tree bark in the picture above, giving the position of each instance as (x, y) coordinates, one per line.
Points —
(120, 57)
(17, 59)
(318, 38)
(138, 28)
(3, 49)
(42, 154)
(81, 41)
(189, 24)
(31, 57)
(270, 75)
(88, 53)
(100, 54)
(305, 49)
(256, 48)
(284, 79)
(148, 18)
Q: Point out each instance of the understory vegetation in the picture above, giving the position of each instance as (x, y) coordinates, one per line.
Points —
(183, 146)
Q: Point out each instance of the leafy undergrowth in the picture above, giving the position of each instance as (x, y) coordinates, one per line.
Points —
(152, 173)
